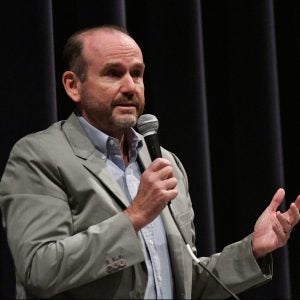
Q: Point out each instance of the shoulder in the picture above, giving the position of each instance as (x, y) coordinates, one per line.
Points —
(34, 163)
(41, 141)
(44, 147)
(47, 135)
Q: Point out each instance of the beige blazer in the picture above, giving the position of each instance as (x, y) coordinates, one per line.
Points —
(69, 237)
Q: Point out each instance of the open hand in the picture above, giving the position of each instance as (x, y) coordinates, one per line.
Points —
(273, 228)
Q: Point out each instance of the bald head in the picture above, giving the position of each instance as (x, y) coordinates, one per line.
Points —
(77, 48)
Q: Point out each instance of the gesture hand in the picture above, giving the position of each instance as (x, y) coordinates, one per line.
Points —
(273, 228)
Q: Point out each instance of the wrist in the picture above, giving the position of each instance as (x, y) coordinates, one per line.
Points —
(258, 249)
(137, 225)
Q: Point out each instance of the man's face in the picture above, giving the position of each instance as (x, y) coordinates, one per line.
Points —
(112, 96)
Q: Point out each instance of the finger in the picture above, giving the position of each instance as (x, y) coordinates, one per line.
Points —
(294, 215)
(165, 173)
(277, 199)
(158, 164)
(171, 194)
(170, 183)
(297, 202)
(284, 222)
(282, 237)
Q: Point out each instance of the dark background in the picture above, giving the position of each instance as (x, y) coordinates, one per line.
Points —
(221, 76)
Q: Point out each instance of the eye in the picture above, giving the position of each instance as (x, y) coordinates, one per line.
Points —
(114, 73)
(137, 73)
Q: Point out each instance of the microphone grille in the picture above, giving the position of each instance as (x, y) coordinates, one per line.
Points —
(147, 124)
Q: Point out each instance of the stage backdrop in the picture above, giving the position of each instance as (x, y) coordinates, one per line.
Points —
(221, 76)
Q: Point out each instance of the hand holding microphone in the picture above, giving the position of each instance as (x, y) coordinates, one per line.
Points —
(158, 184)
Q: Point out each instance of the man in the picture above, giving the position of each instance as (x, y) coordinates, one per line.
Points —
(86, 210)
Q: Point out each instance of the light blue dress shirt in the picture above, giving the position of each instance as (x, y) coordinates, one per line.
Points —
(153, 236)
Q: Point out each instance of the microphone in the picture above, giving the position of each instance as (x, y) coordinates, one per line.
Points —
(147, 126)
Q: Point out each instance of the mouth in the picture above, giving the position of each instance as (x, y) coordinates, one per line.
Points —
(126, 105)
(126, 108)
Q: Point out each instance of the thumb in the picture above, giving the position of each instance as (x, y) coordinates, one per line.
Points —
(277, 199)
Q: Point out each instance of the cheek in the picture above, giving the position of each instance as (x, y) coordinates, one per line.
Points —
(142, 105)
(106, 93)
(140, 92)
(99, 93)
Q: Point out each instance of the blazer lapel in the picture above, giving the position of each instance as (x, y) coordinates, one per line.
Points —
(92, 159)
(144, 158)
(177, 252)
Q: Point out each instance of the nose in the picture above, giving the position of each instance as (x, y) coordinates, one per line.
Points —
(127, 85)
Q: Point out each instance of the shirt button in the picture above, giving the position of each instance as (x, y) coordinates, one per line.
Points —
(150, 242)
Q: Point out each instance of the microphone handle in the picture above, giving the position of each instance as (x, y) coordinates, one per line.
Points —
(153, 145)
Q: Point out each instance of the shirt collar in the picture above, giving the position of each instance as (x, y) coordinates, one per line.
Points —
(103, 143)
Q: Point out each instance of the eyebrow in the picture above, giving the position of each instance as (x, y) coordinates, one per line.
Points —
(114, 65)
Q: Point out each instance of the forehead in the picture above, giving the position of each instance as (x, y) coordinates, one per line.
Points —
(110, 45)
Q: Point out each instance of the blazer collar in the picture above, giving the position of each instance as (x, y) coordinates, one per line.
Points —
(92, 159)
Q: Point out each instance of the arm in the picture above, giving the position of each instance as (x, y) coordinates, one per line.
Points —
(235, 265)
(239, 264)
(50, 254)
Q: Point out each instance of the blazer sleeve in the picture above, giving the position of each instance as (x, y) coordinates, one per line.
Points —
(235, 266)
(49, 256)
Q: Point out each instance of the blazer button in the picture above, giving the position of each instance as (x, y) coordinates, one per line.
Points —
(109, 268)
(137, 295)
(116, 264)
(122, 263)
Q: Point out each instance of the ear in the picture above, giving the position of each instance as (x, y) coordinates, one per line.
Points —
(72, 85)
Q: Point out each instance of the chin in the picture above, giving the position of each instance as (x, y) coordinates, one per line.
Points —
(126, 121)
